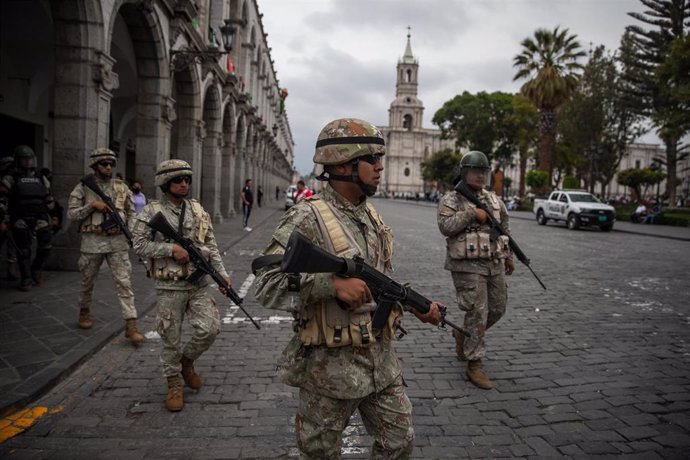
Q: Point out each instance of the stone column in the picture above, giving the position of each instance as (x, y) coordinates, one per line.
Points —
(211, 175)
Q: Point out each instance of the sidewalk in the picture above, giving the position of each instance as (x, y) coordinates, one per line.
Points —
(40, 342)
(659, 231)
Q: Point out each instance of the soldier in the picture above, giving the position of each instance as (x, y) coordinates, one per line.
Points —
(6, 164)
(110, 244)
(477, 264)
(30, 207)
(169, 266)
(329, 358)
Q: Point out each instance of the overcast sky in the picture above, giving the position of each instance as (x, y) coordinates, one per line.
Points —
(337, 58)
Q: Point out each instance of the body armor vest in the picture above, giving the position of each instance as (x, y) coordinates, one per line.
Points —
(167, 268)
(475, 242)
(93, 223)
(28, 197)
(326, 322)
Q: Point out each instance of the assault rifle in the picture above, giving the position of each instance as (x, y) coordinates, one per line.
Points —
(301, 256)
(114, 218)
(203, 267)
(496, 228)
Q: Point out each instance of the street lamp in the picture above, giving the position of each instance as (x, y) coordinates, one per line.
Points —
(181, 59)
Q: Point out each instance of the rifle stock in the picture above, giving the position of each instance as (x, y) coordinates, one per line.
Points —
(90, 182)
(203, 267)
(462, 188)
(301, 256)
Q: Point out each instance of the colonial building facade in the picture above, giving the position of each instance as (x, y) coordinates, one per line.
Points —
(407, 142)
(152, 80)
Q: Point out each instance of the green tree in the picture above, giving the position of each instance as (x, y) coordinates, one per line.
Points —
(654, 54)
(549, 63)
(441, 166)
(537, 179)
(597, 124)
(477, 122)
(524, 125)
(635, 178)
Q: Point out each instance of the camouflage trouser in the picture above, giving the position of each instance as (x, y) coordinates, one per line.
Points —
(203, 316)
(387, 417)
(23, 231)
(483, 299)
(121, 268)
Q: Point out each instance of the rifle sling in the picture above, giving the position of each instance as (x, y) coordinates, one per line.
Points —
(264, 261)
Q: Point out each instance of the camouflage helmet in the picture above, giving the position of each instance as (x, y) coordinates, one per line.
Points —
(346, 139)
(170, 169)
(100, 154)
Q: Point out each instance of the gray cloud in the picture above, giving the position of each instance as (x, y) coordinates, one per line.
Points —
(338, 57)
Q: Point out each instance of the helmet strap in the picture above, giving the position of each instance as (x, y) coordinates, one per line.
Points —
(353, 177)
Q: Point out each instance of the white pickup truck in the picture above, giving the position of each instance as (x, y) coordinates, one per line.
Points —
(576, 208)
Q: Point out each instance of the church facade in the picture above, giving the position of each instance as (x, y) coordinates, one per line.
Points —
(408, 143)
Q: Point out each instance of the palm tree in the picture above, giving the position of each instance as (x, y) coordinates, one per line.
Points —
(549, 62)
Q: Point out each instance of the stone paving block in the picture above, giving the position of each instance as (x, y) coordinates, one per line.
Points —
(681, 440)
(571, 450)
(541, 447)
(598, 448)
(635, 433)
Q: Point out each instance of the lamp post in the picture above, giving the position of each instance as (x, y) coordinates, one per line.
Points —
(181, 59)
(274, 129)
(656, 167)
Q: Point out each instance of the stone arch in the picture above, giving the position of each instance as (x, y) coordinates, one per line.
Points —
(240, 152)
(228, 154)
(137, 46)
(210, 167)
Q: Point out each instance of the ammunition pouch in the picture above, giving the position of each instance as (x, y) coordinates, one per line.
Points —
(478, 245)
(169, 270)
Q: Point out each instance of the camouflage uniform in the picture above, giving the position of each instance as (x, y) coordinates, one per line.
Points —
(175, 296)
(97, 245)
(476, 265)
(334, 381)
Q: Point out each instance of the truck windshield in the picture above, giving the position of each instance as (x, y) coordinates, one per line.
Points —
(583, 198)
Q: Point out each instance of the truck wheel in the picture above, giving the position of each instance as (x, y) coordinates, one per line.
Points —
(573, 222)
(541, 218)
(606, 228)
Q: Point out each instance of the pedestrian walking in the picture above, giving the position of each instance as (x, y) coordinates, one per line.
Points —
(169, 266)
(32, 212)
(277, 192)
(138, 197)
(477, 262)
(247, 203)
(337, 360)
(102, 239)
(259, 195)
(302, 191)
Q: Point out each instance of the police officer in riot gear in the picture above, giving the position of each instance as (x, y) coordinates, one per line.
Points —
(30, 209)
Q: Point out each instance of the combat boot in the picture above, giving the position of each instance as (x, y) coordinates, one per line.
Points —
(132, 333)
(175, 401)
(477, 375)
(37, 277)
(25, 285)
(191, 378)
(85, 321)
(459, 342)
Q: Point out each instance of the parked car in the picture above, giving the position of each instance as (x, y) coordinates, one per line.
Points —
(290, 196)
(576, 208)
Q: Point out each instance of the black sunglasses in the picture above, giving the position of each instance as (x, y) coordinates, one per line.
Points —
(105, 164)
(372, 158)
(180, 179)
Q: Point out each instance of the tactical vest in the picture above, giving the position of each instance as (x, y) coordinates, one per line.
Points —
(93, 223)
(28, 197)
(325, 322)
(475, 241)
(167, 268)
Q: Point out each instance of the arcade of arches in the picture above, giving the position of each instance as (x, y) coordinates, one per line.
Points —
(81, 74)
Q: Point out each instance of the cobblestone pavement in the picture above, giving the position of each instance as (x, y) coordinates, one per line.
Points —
(596, 366)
